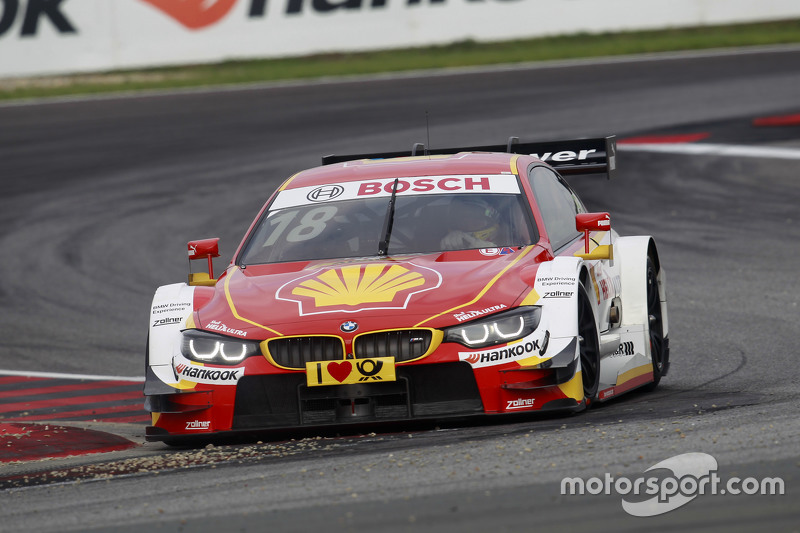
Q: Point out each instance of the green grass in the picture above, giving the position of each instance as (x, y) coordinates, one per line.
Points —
(460, 54)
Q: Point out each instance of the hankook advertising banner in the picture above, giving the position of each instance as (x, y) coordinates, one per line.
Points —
(71, 36)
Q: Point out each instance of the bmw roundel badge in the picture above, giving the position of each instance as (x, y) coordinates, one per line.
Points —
(349, 326)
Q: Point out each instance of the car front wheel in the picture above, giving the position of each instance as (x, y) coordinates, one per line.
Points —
(658, 352)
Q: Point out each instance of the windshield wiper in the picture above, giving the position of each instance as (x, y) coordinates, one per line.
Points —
(383, 245)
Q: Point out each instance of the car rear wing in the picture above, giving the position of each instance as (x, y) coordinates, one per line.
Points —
(574, 156)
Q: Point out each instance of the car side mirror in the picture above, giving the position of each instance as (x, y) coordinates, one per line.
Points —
(203, 249)
(587, 222)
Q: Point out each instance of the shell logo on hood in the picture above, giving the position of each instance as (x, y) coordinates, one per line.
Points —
(359, 287)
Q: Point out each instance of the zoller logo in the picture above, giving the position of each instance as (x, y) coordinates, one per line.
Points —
(194, 14)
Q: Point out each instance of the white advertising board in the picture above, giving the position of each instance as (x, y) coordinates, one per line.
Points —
(71, 36)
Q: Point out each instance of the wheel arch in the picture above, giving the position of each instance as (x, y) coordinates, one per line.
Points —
(172, 306)
(632, 254)
(568, 268)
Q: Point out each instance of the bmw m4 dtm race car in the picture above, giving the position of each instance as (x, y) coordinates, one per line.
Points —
(395, 287)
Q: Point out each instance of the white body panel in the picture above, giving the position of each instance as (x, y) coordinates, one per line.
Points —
(624, 347)
(172, 306)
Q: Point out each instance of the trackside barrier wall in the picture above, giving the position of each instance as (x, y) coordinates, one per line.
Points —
(39, 37)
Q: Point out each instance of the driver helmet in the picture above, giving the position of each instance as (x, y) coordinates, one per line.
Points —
(475, 216)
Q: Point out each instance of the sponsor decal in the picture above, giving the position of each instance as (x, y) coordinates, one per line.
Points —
(558, 294)
(566, 155)
(462, 184)
(594, 284)
(601, 282)
(466, 315)
(604, 289)
(349, 326)
(554, 281)
(171, 307)
(31, 15)
(204, 248)
(491, 252)
(445, 184)
(213, 376)
(216, 325)
(325, 193)
(625, 348)
(350, 372)
(519, 403)
(512, 352)
(167, 321)
(198, 424)
(355, 288)
(608, 393)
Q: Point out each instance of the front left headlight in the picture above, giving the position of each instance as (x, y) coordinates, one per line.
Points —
(496, 329)
(205, 347)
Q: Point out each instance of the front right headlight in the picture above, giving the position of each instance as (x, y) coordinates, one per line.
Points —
(205, 347)
(496, 329)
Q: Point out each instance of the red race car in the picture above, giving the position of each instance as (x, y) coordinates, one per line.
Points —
(392, 287)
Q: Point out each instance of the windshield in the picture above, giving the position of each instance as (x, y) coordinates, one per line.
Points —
(422, 223)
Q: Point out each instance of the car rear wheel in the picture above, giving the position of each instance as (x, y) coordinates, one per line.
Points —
(655, 326)
(589, 346)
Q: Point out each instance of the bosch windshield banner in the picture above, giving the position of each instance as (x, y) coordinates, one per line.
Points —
(40, 37)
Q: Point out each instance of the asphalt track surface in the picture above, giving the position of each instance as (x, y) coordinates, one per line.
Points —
(99, 198)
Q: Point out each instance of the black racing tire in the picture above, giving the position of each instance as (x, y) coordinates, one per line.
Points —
(589, 345)
(655, 326)
(147, 353)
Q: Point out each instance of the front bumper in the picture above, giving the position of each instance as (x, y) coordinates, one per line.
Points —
(421, 392)
(424, 390)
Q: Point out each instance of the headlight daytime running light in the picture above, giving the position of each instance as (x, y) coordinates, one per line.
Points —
(496, 329)
(477, 329)
(202, 349)
(206, 347)
(512, 332)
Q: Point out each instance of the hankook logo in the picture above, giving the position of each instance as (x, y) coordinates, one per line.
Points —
(194, 14)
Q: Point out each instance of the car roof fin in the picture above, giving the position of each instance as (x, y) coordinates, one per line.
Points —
(511, 142)
(416, 149)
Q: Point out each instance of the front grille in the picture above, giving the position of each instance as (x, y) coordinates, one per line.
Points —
(403, 345)
(295, 352)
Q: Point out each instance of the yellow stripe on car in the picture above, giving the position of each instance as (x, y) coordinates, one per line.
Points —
(485, 289)
(236, 314)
